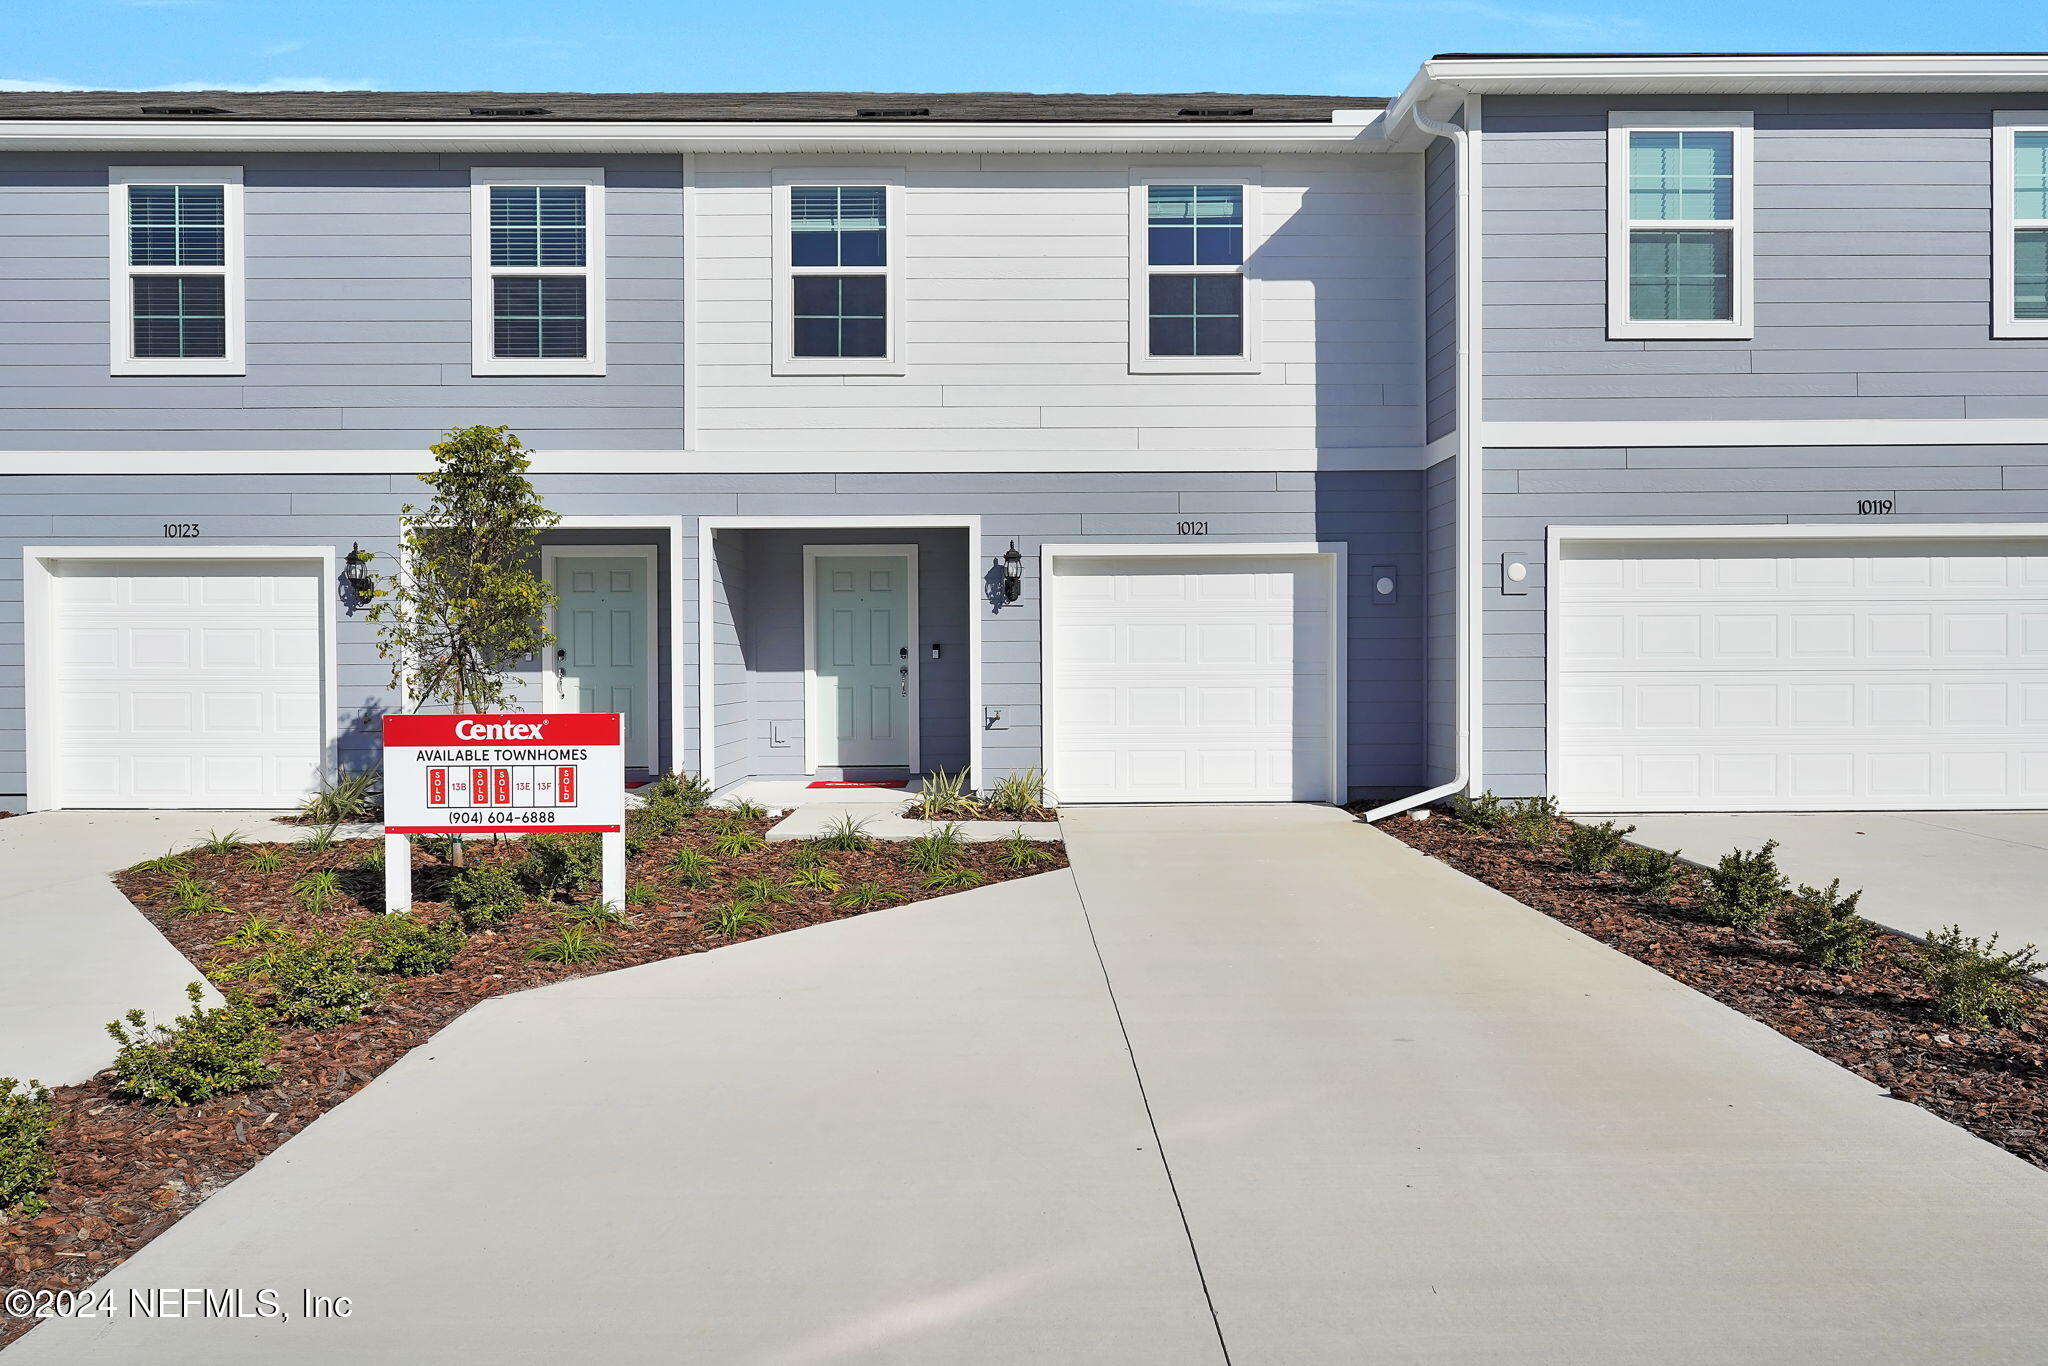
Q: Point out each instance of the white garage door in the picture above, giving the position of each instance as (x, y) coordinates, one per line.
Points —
(1843, 675)
(1191, 679)
(182, 683)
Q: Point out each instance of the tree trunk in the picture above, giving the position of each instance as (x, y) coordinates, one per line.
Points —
(458, 856)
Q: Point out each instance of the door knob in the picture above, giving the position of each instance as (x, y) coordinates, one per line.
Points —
(903, 652)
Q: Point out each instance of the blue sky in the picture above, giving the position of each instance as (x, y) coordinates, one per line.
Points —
(1354, 47)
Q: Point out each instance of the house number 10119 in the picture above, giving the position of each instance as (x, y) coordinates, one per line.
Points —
(180, 531)
(1873, 507)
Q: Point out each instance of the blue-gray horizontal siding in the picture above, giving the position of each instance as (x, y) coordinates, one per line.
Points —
(1873, 268)
(1379, 516)
(1530, 491)
(358, 313)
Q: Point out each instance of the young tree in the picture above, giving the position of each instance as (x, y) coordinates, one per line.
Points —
(467, 602)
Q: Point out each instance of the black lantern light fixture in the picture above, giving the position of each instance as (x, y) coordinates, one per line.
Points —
(356, 572)
(1013, 574)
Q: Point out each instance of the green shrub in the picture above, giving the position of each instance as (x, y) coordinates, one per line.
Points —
(317, 889)
(749, 811)
(26, 1168)
(265, 860)
(735, 918)
(485, 895)
(729, 843)
(321, 840)
(400, 946)
(642, 894)
(947, 797)
(1020, 796)
(594, 913)
(563, 865)
(319, 983)
(1744, 889)
(847, 835)
(815, 878)
(254, 933)
(667, 800)
(957, 878)
(865, 896)
(196, 1057)
(692, 867)
(343, 797)
(571, 943)
(1533, 820)
(1484, 812)
(190, 896)
(1649, 872)
(936, 849)
(372, 857)
(761, 891)
(164, 865)
(1015, 851)
(217, 843)
(441, 847)
(1825, 926)
(1591, 848)
(807, 856)
(1974, 984)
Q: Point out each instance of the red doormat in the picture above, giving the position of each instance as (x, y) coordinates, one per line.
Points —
(899, 782)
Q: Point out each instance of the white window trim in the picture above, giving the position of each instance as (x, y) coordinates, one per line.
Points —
(121, 293)
(1142, 361)
(1620, 326)
(482, 361)
(785, 361)
(2005, 123)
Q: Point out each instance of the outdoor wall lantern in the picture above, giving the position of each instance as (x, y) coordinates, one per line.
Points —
(356, 572)
(1013, 574)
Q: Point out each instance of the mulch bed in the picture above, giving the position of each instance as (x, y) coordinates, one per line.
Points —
(979, 812)
(1877, 1020)
(127, 1170)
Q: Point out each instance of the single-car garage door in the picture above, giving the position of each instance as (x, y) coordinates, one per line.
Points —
(184, 683)
(1190, 678)
(1801, 675)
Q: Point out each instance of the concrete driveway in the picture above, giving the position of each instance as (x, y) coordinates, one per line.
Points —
(73, 953)
(1919, 870)
(1255, 1079)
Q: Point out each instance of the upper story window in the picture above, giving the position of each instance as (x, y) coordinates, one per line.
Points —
(1678, 256)
(176, 237)
(2020, 245)
(538, 271)
(837, 293)
(1190, 298)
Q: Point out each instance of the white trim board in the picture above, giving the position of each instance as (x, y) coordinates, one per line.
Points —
(1903, 431)
(1337, 553)
(708, 527)
(39, 656)
(913, 660)
(676, 461)
(645, 747)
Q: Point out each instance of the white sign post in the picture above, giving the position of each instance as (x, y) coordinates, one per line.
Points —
(479, 775)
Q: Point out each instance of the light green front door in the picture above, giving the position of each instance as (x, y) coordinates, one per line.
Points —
(860, 661)
(601, 661)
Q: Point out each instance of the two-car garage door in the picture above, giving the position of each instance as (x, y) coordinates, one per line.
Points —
(1190, 678)
(182, 683)
(1801, 675)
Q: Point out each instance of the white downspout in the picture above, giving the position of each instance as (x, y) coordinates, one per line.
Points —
(1469, 455)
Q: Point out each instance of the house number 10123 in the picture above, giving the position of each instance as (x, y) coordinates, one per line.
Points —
(180, 531)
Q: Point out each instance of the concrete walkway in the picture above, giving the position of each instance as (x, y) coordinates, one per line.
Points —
(1919, 870)
(73, 953)
(1254, 1077)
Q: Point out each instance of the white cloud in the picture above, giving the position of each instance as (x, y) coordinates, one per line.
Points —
(258, 87)
(7, 85)
(278, 49)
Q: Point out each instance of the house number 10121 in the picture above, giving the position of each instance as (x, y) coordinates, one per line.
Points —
(180, 531)
(1192, 528)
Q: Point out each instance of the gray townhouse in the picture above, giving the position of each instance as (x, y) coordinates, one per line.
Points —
(1658, 432)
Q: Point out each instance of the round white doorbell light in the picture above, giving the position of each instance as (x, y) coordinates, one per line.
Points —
(1383, 586)
(1518, 572)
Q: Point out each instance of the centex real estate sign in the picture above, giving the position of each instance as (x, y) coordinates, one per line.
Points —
(458, 775)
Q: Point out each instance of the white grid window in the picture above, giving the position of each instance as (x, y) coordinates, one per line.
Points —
(175, 234)
(1679, 226)
(537, 238)
(1193, 302)
(2020, 206)
(838, 273)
